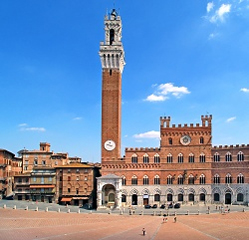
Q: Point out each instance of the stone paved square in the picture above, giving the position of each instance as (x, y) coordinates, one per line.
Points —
(22, 224)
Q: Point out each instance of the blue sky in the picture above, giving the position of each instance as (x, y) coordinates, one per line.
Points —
(183, 59)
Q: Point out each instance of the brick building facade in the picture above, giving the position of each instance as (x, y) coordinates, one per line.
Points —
(185, 168)
(76, 184)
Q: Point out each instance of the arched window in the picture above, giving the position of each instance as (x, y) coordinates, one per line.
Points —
(191, 158)
(240, 156)
(157, 197)
(180, 179)
(216, 157)
(145, 180)
(202, 179)
(157, 158)
(169, 180)
(123, 181)
(228, 157)
(170, 141)
(169, 158)
(112, 36)
(191, 179)
(228, 178)
(145, 158)
(202, 158)
(240, 178)
(180, 158)
(201, 140)
(134, 180)
(216, 179)
(134, 158)
(156, 180)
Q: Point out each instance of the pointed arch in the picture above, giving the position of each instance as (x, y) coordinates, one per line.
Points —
(191, 190)
(240, 156)
(134, 180)
(145, 180)
(169, 179)
(134, 191)
(156, 158)
(191, 158)
(169, 158)
(134, 158)
(156, 180)
(202, 179)
(202, 158)
(145, 158)
(228, 157)
(216, 157)
(145, 191)
(180, 158)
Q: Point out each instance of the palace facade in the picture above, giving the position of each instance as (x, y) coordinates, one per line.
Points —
(186, 167)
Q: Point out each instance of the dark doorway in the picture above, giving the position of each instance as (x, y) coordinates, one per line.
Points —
(202, 197)
(180, 197)
(191, 197)
(146, 199)
(169, 197)
(228, 198)
(216, 197)
(134, 199)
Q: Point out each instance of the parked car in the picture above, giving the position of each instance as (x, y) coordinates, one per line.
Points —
(162, 206)
(154, 206)
(147, 206)
(177, 205)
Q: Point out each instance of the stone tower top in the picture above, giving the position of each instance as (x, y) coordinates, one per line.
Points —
(111, 50)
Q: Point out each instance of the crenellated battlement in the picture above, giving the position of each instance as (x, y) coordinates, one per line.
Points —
(206, 122)
(142, 149)
(128, 166)
(231, 146)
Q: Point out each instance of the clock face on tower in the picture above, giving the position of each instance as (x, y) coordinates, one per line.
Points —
(109, 145)
(185, 140)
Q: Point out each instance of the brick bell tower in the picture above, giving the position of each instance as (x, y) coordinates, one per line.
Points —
(112, 61)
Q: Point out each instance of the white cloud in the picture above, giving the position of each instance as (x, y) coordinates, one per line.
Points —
(210, 6)
(164, 90)
(170, 88)
(230, 119)
(34, 129)
(220, 13)
(155, 98)
(24, 127)
(150, 134)
(244, 90)
(77, 118)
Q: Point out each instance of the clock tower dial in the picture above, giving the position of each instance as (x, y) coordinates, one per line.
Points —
(109, 145)
(185, 140)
